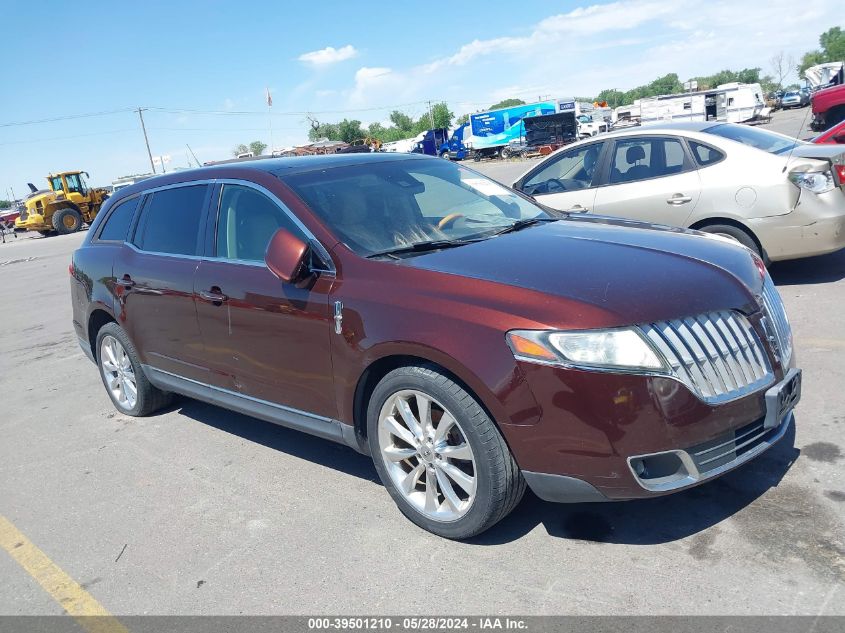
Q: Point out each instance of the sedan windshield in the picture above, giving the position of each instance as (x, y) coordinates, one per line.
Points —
(378, 207)
(755, 137)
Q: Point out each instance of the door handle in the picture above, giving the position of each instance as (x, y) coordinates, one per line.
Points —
(213, 296)
(125, 281)
(577, 208)
(679, 198)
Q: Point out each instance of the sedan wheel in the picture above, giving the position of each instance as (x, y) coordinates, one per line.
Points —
(118, 373)
(427, 456)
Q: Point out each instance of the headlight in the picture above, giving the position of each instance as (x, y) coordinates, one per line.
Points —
(621, 348)
(815, 181)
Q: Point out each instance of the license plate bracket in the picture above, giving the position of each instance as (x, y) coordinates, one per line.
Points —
(782, 398)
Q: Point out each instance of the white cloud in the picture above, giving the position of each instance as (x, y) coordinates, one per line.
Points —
(329, 55)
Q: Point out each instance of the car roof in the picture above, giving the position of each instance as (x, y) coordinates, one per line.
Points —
(299, 164)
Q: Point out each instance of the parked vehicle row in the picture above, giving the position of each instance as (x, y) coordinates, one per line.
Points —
(779, 197)
(471, 340)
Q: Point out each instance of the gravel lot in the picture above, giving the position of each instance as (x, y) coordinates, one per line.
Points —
(201, 511)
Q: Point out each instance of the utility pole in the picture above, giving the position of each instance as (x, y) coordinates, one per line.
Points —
(146, 140)
(430, 115)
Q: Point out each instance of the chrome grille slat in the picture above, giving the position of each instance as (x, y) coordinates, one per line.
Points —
(718, 354)
(773, 306)
(735, 448)
(731, 441)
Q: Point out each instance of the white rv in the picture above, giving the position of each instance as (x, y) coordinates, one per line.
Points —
(732, 103)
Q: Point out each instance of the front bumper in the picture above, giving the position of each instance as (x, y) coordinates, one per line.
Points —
(595, 425)
(33, 222)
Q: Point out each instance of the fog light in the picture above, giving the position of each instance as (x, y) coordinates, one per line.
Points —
(638, 466)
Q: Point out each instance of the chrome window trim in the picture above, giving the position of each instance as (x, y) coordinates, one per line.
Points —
(312, 239)
(160, 254)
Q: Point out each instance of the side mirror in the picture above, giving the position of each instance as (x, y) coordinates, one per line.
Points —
(285, 256)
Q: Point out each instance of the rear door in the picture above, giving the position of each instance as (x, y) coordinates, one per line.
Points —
(650, 178)
(264, 338)
(567, 181)
(154, 277)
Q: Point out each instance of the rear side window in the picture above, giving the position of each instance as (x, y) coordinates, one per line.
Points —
(641, 158)
(170, 221)
(704, 154)
(116, 227)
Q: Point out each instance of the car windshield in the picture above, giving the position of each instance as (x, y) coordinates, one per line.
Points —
(792, 94)
(376, 207)
(755, 137)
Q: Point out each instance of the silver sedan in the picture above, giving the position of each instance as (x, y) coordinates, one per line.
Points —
(780, 197)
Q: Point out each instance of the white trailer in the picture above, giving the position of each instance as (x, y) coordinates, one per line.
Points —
(731, 103)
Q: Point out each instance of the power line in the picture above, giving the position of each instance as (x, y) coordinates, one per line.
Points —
(64, 138)
(65, 118)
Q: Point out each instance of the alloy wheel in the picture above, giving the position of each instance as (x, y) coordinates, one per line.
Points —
(118, 373)
(427, 455)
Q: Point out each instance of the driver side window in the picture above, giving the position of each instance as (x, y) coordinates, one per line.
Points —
(570, 171)
(73, 184)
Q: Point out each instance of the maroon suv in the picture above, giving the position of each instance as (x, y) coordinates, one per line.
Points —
(468, 339)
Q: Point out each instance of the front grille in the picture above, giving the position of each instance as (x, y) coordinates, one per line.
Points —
(729, 446)
(774, 310)
(717, 355)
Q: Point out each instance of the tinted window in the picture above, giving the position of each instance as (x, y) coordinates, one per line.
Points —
(73, 183)
(641, 158)
(704, 154)
(755, 137)
(247, 221)
(378, 206)
(117, 224)
(170, 221)
(568, 171)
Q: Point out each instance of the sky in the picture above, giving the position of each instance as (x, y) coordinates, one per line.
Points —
(202, 69)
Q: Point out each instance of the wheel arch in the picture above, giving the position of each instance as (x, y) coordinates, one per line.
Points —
(700, 224)
(380, 367)
(96, 320)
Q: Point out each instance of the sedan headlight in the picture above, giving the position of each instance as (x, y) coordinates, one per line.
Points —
(622, 348)
(815, 181)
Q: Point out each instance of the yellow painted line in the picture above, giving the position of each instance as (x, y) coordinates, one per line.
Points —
(78, 603)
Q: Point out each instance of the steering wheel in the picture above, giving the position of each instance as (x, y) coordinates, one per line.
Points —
(554, 185)
(449, 220)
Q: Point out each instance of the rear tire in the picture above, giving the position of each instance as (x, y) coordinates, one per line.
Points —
(122, 374)
(735, 233)
(458, 477)
(67, 221)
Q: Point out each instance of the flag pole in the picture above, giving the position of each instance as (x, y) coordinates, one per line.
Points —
(270, 118)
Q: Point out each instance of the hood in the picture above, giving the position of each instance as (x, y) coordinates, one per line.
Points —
(44, 196)
(628, 272)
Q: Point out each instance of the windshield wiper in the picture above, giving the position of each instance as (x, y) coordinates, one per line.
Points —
(419, 247)
(522, 224)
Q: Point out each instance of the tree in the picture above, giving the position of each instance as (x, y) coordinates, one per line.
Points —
(5, 204)
(402, 121)
(832, 43)
(240, 149)
(257, 147)
(782, 65)
(442, 118)
(613, 97)
(350, 131)
(464, 118)
(506, 103)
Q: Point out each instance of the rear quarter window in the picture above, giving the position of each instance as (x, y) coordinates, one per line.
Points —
(116, 226)
(170, 221)
(704, 154)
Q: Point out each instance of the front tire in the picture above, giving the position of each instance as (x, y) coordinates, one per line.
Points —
(439, 454)
(122, 374)
(67, 221)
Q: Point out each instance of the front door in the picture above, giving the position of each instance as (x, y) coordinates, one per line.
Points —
(154, 279)
(649, 178)
(567, 182)
(263, 338)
